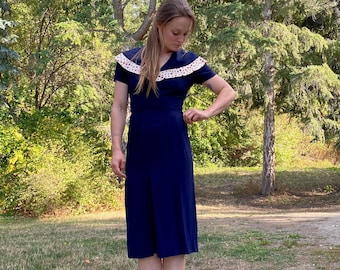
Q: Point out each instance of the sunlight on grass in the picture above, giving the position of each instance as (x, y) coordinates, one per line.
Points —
(96, 241)
(237, 228)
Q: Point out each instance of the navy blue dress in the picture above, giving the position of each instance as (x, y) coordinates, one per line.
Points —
(159, 189)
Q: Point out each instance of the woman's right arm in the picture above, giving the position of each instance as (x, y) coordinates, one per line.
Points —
(118, 119)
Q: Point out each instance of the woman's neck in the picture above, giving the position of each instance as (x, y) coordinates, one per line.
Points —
(164, 57)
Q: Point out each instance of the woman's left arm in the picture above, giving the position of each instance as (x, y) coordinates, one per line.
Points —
(225, 95)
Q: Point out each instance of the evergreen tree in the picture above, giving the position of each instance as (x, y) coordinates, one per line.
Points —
(306, 81)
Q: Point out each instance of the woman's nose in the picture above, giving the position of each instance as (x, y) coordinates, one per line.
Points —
(181, 38)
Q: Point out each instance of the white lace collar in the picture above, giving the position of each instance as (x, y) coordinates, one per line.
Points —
(188, 69)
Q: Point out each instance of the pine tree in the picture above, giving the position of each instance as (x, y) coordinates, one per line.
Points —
(302, 40)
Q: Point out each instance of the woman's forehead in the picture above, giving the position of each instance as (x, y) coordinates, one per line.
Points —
(181, 23)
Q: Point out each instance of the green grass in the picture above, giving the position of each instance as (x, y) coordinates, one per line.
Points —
(97, 241)
(87, 242)
(244, 248)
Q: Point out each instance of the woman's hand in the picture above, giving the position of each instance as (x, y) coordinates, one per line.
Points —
(118, 163)
(225, 95)
(194, 115)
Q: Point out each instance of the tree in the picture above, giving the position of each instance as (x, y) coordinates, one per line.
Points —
(305, 85)
(268, 168)
(64, 64)
(61, 102)
(309, 86)
(142, 28)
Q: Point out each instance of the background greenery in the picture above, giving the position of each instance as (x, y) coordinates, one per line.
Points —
(56, 70)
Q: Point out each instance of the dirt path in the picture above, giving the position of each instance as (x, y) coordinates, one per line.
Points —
(317, 229)
(320, 226)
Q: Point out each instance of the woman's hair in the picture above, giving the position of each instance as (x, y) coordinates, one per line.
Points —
(149, 69)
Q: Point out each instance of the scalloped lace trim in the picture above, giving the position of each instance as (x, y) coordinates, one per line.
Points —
(132, 67)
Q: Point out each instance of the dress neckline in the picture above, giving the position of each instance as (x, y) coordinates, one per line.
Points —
(166, 63)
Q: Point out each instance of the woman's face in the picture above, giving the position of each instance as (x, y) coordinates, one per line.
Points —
(174, 33)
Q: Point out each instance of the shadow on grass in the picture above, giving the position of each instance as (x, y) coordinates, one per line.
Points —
(307, 188)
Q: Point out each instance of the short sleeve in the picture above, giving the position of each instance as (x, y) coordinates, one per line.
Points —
(121, 74)
(203, 74)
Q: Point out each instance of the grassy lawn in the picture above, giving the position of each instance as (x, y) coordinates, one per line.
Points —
(230, 234)
(95, 241)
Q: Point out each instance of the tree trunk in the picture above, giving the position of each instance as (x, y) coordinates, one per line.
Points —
(144, 27)
(119, 12)
(140, 33)
(268, 170)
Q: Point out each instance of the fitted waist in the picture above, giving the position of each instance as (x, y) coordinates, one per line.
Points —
(162, 108)
(153, 103)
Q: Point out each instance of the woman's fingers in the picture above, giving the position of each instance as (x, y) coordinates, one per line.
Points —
(194, 115)
(118, 166)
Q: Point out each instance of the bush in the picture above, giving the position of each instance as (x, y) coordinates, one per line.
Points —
(223, 140)
(15, 163)
(295, 147)
(61, 185)
(58, 168)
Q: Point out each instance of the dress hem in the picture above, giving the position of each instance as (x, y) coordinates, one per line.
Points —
(164, 256)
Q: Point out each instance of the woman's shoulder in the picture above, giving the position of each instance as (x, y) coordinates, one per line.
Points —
(129, 60)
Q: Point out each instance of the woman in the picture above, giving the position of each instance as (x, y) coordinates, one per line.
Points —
(160, 199)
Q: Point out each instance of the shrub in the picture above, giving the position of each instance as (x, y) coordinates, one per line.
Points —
(15, 163)
(61, 185)
(56, 169)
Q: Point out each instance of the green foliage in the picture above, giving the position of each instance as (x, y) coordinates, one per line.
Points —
(314, 89)
(65, 168)
(223, 140)
(135, 13)
(333, 56)
(65, 185)
(60, 159)
(236, 45)
(15, 164)
(65, 66)
(55, 142)
(7, 55)
(13, 149)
